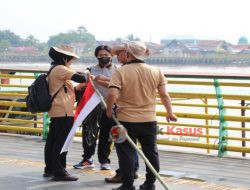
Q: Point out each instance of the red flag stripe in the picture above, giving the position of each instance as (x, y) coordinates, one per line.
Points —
(88, 102)
(89, 91)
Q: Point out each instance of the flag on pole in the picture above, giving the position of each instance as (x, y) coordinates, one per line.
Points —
(88, 102)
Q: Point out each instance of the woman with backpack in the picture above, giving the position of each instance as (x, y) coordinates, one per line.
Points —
(61, 112)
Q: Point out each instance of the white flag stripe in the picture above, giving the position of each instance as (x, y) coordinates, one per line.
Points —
(88, 107)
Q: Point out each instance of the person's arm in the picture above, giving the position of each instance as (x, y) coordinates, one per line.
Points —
(80, 86)
(103, 83)
(102, 77)
(79, 90)
(166, 101)
(113, 92)
(79, 78)
(102, 80)
(113, 95)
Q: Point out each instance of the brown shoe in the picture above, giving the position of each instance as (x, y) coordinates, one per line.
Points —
(116, 179)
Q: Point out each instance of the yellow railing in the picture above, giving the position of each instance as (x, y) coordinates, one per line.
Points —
(195, 115)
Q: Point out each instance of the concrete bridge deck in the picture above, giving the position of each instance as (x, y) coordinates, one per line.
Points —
(21, 167)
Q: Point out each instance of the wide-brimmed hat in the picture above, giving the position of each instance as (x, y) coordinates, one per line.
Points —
(67, 50)
(138, 49)
(117, 48)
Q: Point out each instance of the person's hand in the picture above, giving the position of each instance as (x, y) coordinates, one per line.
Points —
(98, 77)
(91, 77)
(101, 78)
(80, 86)
(109, 113)
(171, 117)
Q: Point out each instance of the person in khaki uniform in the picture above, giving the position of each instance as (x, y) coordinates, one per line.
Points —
(61, 112)
(121, 53)
(133, 87)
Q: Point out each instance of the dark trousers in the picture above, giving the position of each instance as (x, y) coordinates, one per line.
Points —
(145, 133)
(58, 131)
(118, 171)
(97, 122)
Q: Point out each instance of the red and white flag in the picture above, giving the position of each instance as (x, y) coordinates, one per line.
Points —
(88, 102)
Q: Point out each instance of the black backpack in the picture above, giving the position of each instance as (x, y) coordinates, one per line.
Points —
(39, 98)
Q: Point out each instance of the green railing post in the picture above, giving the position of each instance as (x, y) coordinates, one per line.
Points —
(222, 131)
(36, 74)
(46, 122)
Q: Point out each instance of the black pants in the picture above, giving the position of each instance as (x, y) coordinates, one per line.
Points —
(97, 121)
(146, 135)
(118, 171)
(58, 131)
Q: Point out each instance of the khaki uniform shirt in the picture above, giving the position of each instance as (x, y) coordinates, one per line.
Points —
(63, 104)
(138, 83)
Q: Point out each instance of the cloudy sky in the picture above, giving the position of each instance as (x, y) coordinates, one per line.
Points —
(148, 19)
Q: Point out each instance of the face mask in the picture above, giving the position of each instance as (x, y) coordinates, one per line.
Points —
(104, 60)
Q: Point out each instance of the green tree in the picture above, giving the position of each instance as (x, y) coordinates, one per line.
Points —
(119, 39)
(80, 35)
(131, 37)
(31, 41)
(43, 48)
(81, 30)
(243, 40)
(4, 45)
(9, 36)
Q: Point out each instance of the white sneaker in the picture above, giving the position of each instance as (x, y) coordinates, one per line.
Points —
(105, 166)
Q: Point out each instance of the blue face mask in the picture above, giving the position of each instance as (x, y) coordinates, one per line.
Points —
(104, 60)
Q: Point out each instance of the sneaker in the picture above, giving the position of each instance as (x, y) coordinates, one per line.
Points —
(85, 164)
(147, 186)
(105, 166)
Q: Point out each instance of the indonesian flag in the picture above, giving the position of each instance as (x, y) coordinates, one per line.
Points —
(88, 102)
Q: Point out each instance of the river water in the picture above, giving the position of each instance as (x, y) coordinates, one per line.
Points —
(164, 68)
(182, 88)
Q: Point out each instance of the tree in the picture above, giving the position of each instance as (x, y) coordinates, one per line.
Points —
(31, 41)
(131, 37)
(81, 35)
(119, 40)
(4, 45)
(81, 30)
(9, 36)
(243, 40)
(43, 48)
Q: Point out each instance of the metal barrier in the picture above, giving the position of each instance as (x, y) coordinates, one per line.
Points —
(223, 133)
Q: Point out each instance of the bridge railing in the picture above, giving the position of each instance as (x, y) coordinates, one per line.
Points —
(211, 110)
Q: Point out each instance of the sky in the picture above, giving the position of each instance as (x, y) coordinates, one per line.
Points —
(150, 20)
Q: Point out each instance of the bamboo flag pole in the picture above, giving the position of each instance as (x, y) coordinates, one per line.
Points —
(132, 142)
